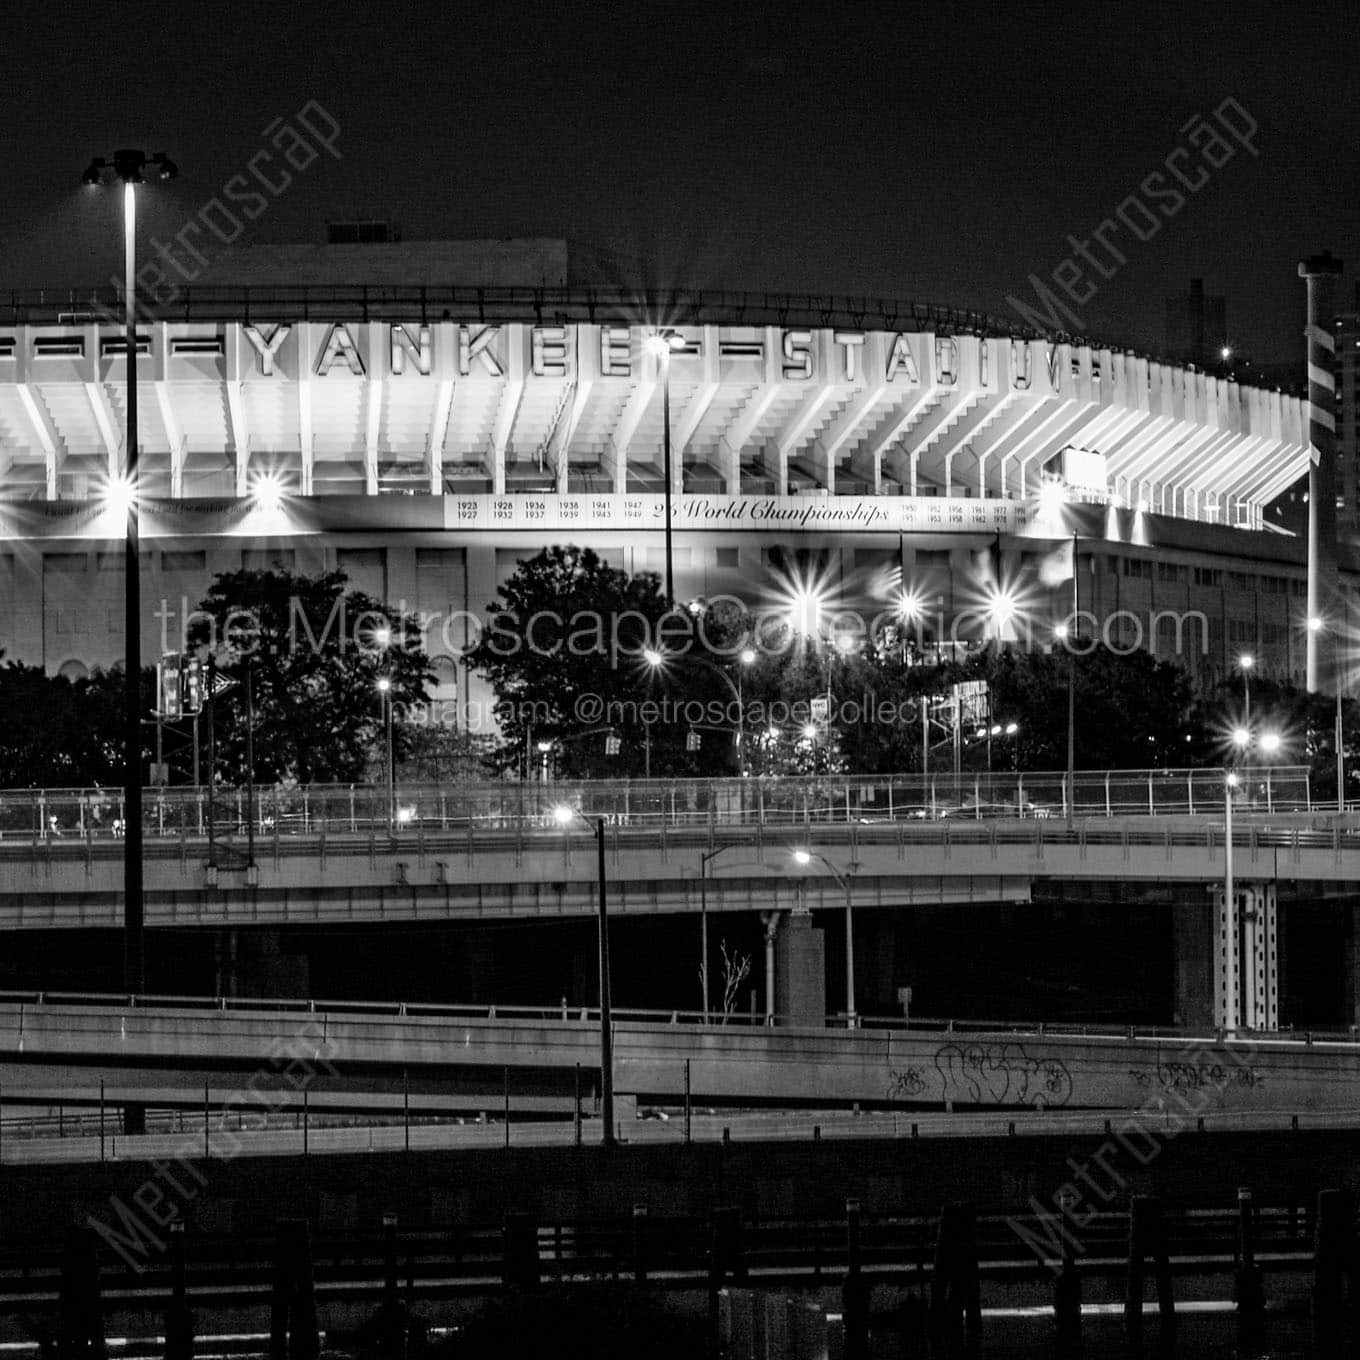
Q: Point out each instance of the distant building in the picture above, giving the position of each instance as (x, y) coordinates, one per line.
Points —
(1347, 401)
(1196, 327)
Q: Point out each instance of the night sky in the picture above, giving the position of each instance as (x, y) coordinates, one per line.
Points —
(943, 155)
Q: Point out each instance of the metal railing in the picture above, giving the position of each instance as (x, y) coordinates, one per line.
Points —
(859, 800)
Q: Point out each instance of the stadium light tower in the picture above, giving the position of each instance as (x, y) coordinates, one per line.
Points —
(131, 167)
(661, 345)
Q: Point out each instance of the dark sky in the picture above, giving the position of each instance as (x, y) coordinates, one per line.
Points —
(942, 155)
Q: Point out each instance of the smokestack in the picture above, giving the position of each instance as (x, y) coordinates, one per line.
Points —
(1321, 272)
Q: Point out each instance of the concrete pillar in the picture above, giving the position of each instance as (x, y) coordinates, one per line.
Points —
(1193, 953)
(800, 971)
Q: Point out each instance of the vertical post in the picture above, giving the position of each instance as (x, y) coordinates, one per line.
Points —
(666, 467)
(851, 1020)
(1320, 272)
(391, 768)
(703, 930)
(1072, 635)
(606, 1020)
(250, 763)
(688, 1106)
(577, 1105)
(1231, 964)
(134, 944)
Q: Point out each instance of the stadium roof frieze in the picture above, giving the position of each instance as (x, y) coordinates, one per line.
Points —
(537, 305)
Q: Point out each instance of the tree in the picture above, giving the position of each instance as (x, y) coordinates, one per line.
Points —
(64, 733)
(564, 650)
(306, 655)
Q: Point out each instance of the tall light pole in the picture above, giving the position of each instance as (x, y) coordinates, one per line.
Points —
(1233, 966)
(661, 345)
(1244, 664)
(747, 658)
(843, 878)
(130, 167)
(1316, 626)
(385, 689)
(564, 816)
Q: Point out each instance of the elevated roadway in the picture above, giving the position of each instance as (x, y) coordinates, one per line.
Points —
(656, 1060)
(456, 856)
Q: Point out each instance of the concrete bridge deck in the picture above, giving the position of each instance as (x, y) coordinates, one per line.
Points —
(1183, 1075)
(546, 872)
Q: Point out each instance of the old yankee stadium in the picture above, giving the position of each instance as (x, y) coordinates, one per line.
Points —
(424, 439)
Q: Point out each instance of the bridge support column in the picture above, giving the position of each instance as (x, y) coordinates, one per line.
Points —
(1193, 959)
(1252, 960)
(800, 971)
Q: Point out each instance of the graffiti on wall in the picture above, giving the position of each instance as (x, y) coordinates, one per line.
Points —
(1182, 1076)
(986, 1074)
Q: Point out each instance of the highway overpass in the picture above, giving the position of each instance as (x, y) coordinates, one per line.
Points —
(157, 1043)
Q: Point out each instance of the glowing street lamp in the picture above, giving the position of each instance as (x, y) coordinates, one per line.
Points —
(564, 815)
(385, 689)
(131, 168)
(804, 857)
(1244, 664)
(662, 344)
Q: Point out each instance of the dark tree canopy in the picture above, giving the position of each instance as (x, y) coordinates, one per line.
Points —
(564, 651)
(313, 653)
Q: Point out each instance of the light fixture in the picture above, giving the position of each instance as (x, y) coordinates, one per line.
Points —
(562, 814)
(1241, 737)
(268, 492)
(1270, 742)
(747, 656)
(652, 657)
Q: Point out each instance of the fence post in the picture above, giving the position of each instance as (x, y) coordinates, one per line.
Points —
(1333, 1248)
(1067, 1288)
(179, 1321)
(1147, 1238)
(292, 1323)
(955, 1293)
(640, 1243)
(855, 1291)
(81, 1329)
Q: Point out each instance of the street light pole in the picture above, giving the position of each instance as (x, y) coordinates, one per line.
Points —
(666, 468)
(563, 815)
(128, 166)
(134, 937)
(662, 344)
(606, 1018)
(806, 857)
(1231, 982)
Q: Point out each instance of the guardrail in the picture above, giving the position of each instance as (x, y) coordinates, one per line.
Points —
(562, 1013)
(862, 800)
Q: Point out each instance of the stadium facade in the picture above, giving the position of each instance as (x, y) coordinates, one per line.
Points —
(427, 438)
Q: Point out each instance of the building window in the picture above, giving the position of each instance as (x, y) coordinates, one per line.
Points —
(184, 561)
(268, 559)
(729, 557)
(1208, 576)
